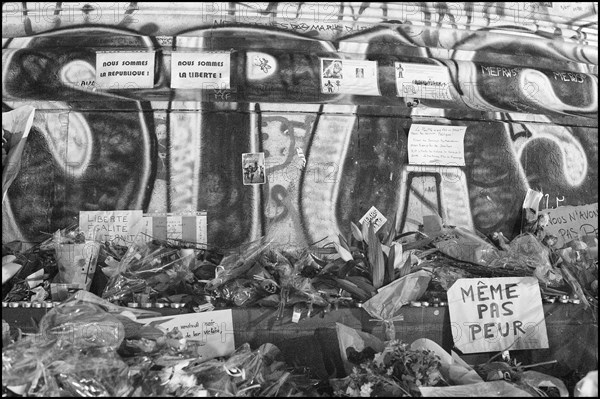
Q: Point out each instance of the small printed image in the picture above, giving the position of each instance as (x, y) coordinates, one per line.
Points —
(328, 86)
(253, 168)
(332, 69)
(400, 71)
(360, 72)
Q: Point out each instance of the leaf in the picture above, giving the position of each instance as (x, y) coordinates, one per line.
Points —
(365, 231)
(334, 266)
(347, 268)
(343, 242)
(319, 262)
(379, 274)
(392, 232)
(353, 289)
(405, 269)
(356, 232)
(375, 258)
(385, 249)
(362, 283)
(398, 255)
(389, 271)
(324, 250)
(343, 252)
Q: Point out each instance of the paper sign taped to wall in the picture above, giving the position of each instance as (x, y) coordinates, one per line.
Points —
(124, 70)
(184, 226)
(118, 226)
(572, 223)
(374, 217)
(422, 81)
(349, 77)
(497, 314)
(212, 330)
(440, 145)
(195, 70)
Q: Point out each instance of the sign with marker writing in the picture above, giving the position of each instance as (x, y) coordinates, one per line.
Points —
(572, 222)
(374, 217)
(349, 77)
(124, 70)
(118, 226)
(422, 81)
(497, 314)
(439, 145)
(212, 330)
(200, 70)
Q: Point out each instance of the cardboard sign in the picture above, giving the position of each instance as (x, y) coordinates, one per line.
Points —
(185, 226)
(124, 70)
(497, 314)
(102, 226)
(572, 222)
(213, 330)
(422, 81)
(374, 217)
(200, 70)
(349, 77)
(439, 145)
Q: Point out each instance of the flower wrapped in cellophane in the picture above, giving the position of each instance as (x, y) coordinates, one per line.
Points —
(73, 355)
(152, 268)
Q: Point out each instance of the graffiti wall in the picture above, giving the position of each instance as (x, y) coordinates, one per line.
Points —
(524, 84)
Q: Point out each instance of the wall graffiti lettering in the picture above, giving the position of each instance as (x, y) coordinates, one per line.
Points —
(529, 108)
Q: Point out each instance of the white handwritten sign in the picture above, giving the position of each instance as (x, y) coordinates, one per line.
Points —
(125, 70)
(104, 226)
(212, 329)
(572, 222)
(497, 314)
(571, 10)
(422, 81)
(200, 70)
(349, 77)
(440, 145)
(374, 217)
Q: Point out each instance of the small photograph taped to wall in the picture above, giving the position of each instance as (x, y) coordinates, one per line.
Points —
(253, 168)
(332, 69)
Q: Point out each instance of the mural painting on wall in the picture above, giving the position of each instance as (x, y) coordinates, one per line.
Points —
(327, 159)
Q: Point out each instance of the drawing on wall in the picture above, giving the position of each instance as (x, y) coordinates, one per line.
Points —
(332, 69)
(530, 120)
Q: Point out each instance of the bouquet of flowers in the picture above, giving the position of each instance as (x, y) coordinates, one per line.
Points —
(397, 371)
(151, 267)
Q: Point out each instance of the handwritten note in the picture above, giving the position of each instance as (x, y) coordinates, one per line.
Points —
(494, 314)
(436, 145)
(200, 70)
(121, 226)
(349, 77)
(125, 70)
(174, 227)
(374, 217)
(213, 330)
(422, 81)
(572, 222)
